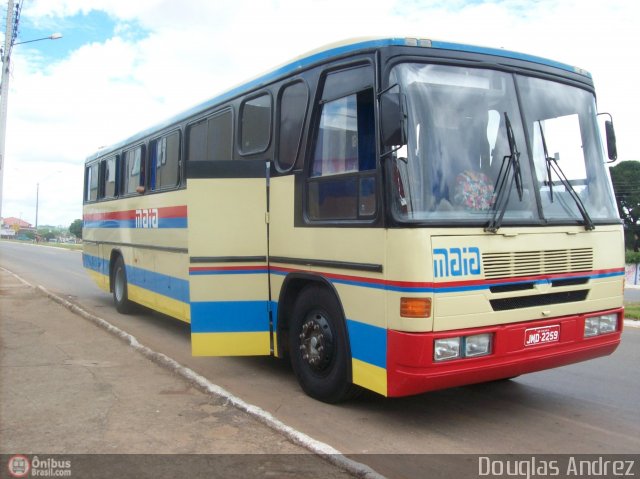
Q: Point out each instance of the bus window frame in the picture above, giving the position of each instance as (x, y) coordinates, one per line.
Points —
(181, 153)
(102, 185)
(142, 174)
(243, 102)
(220, 112)
(87, 181)
(186, 135)
(321, 97)
(278, 124)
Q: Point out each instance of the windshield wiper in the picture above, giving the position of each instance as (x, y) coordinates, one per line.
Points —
(509, 170)
(553, 166)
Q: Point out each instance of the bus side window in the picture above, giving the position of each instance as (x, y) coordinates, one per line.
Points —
(220, 136)
(91, 183)
(292, 110)
(342, 177)
(108, 178)
(132, 171)
(255, 125)
(211, 139)
(164, 161)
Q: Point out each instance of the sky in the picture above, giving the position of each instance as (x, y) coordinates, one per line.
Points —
(123, 66)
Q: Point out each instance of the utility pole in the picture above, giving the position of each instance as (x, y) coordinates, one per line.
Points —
(10, 35)
(37, 199)
(4, 90)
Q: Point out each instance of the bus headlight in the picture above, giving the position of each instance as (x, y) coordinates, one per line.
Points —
(462, 347)
(608, 323)
(446, 348)
(591, 327)
(477, 345)
(596, 325)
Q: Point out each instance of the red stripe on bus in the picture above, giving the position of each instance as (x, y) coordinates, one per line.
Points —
(163, 212)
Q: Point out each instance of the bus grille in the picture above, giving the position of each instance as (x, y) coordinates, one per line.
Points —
(506, 304)
(532, 263)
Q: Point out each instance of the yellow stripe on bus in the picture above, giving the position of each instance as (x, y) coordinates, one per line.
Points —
(230, 344)
(160, 303)
(369, 376)
(100, 279)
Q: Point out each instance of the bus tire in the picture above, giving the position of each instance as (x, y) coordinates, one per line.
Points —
(318, 346)
(121, 288)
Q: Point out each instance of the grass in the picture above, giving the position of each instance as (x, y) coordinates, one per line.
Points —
(632, 310)
(63, 245)
(44, 243)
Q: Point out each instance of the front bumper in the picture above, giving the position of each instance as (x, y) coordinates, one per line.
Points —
(412, 370)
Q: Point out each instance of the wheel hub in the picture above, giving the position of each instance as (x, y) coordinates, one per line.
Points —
(119, 286)
(316, 342)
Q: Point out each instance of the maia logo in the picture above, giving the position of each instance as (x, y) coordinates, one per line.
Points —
(456, 262)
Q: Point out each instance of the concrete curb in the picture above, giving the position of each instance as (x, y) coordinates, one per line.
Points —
(321, 449)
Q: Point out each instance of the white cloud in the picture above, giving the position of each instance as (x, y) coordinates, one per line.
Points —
(191, 50)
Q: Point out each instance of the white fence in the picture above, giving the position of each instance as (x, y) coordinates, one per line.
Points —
(632, 274)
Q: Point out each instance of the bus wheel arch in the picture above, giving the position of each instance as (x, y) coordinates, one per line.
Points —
(119, 284)
(318, 341)
(292, 286)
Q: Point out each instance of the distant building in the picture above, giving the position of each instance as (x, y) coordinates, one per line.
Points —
(10, 227)
(15, 223)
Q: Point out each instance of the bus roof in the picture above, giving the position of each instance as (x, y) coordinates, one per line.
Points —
(325, 53)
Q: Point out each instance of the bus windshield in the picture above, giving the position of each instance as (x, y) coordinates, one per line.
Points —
(468, 156)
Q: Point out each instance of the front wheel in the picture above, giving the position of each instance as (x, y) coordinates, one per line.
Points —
(318, 346)
(121, 288)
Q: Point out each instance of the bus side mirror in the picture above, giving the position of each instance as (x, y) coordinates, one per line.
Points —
(392, 118)
(612, 149)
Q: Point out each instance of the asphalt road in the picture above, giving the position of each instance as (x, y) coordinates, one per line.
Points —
(632, 295)
(587, 408)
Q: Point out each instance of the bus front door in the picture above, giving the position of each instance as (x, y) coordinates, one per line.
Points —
(228, 269)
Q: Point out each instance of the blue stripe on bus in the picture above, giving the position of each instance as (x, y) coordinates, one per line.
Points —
(229, 316)
(461, 47)
(169, 286)
(95, 263)
(159, 283)
(179, 288)
(418, 288)
(131, 223)
(368, 343)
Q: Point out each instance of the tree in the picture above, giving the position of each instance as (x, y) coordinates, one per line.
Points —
(76, 229)
(626, 184)
(46, 234)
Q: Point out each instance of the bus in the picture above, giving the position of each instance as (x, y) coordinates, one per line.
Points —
(393, 214)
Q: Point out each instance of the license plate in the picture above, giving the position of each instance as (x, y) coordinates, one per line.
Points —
(544, 335)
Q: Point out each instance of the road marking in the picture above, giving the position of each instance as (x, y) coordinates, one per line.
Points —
(319, 448)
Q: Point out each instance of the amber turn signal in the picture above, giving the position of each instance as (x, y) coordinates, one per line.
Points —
(415, 307)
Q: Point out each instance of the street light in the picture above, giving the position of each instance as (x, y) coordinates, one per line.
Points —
(4, 86)
(53, 36)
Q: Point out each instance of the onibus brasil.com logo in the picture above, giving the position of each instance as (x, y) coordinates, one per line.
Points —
(20, 466)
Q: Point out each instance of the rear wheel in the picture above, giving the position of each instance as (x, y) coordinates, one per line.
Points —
(121, 288)
(318, 346)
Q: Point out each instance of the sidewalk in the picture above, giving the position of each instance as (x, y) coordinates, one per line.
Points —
(69, 387)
